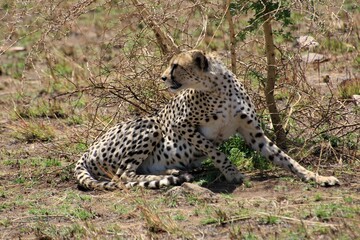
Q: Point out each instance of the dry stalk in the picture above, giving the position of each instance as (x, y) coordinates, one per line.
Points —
(232, 37)
(306, 222)
(217, 29)
(204, 25)
(155, 222)
(291, 111)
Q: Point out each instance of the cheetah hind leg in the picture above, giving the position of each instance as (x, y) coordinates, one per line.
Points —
(129, 178)
(145, 144)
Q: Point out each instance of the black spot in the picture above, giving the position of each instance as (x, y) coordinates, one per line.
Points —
(258, 135)
(128, 161)
(261, 145)
(271, 158)
(271, 144)
(171, 180)
(243, 116)
(156, 134)
(291, 168)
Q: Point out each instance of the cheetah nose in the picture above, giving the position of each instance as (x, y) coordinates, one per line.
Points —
(164, 78)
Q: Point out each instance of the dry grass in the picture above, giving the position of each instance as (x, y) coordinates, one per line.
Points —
(71, 69)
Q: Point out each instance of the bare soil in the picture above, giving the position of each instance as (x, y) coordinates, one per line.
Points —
(39, 198)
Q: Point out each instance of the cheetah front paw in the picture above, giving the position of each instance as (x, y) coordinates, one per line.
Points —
(186, 177)
(174, 172)
(327, 181)
(234, 176)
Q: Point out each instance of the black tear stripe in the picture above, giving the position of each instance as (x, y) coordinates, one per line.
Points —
(174, 66)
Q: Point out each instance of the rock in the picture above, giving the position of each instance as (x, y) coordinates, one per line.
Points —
(314, 58)
(193, 189)
(306, 42)
(356, 99)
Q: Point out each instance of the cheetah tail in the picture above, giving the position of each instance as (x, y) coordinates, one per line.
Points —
(166, 181)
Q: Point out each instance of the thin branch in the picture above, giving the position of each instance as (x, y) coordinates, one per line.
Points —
(232, 37)
(167, 44)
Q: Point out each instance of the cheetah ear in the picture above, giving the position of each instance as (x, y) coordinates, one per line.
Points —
(201, 61)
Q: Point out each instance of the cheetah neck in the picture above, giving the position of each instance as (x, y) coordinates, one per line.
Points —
(225, 82)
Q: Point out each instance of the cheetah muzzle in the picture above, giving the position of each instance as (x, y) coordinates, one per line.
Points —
(211, 105)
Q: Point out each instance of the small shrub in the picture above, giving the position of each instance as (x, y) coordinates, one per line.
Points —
(81, 213)
(270, 220)
(336, 46)
(33, 132)
(40, 109)
(349, 88)
(242, 155)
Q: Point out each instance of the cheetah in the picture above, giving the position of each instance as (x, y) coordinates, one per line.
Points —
(210, 106)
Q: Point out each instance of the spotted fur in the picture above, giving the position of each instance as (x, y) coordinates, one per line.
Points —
(156, 151)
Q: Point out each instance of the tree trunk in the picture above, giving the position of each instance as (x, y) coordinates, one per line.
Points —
(270, 84)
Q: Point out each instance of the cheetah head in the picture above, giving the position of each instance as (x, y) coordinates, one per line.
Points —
(188, 70)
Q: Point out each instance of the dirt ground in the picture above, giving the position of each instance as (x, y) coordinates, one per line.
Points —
(48, 118)
(39, 199)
